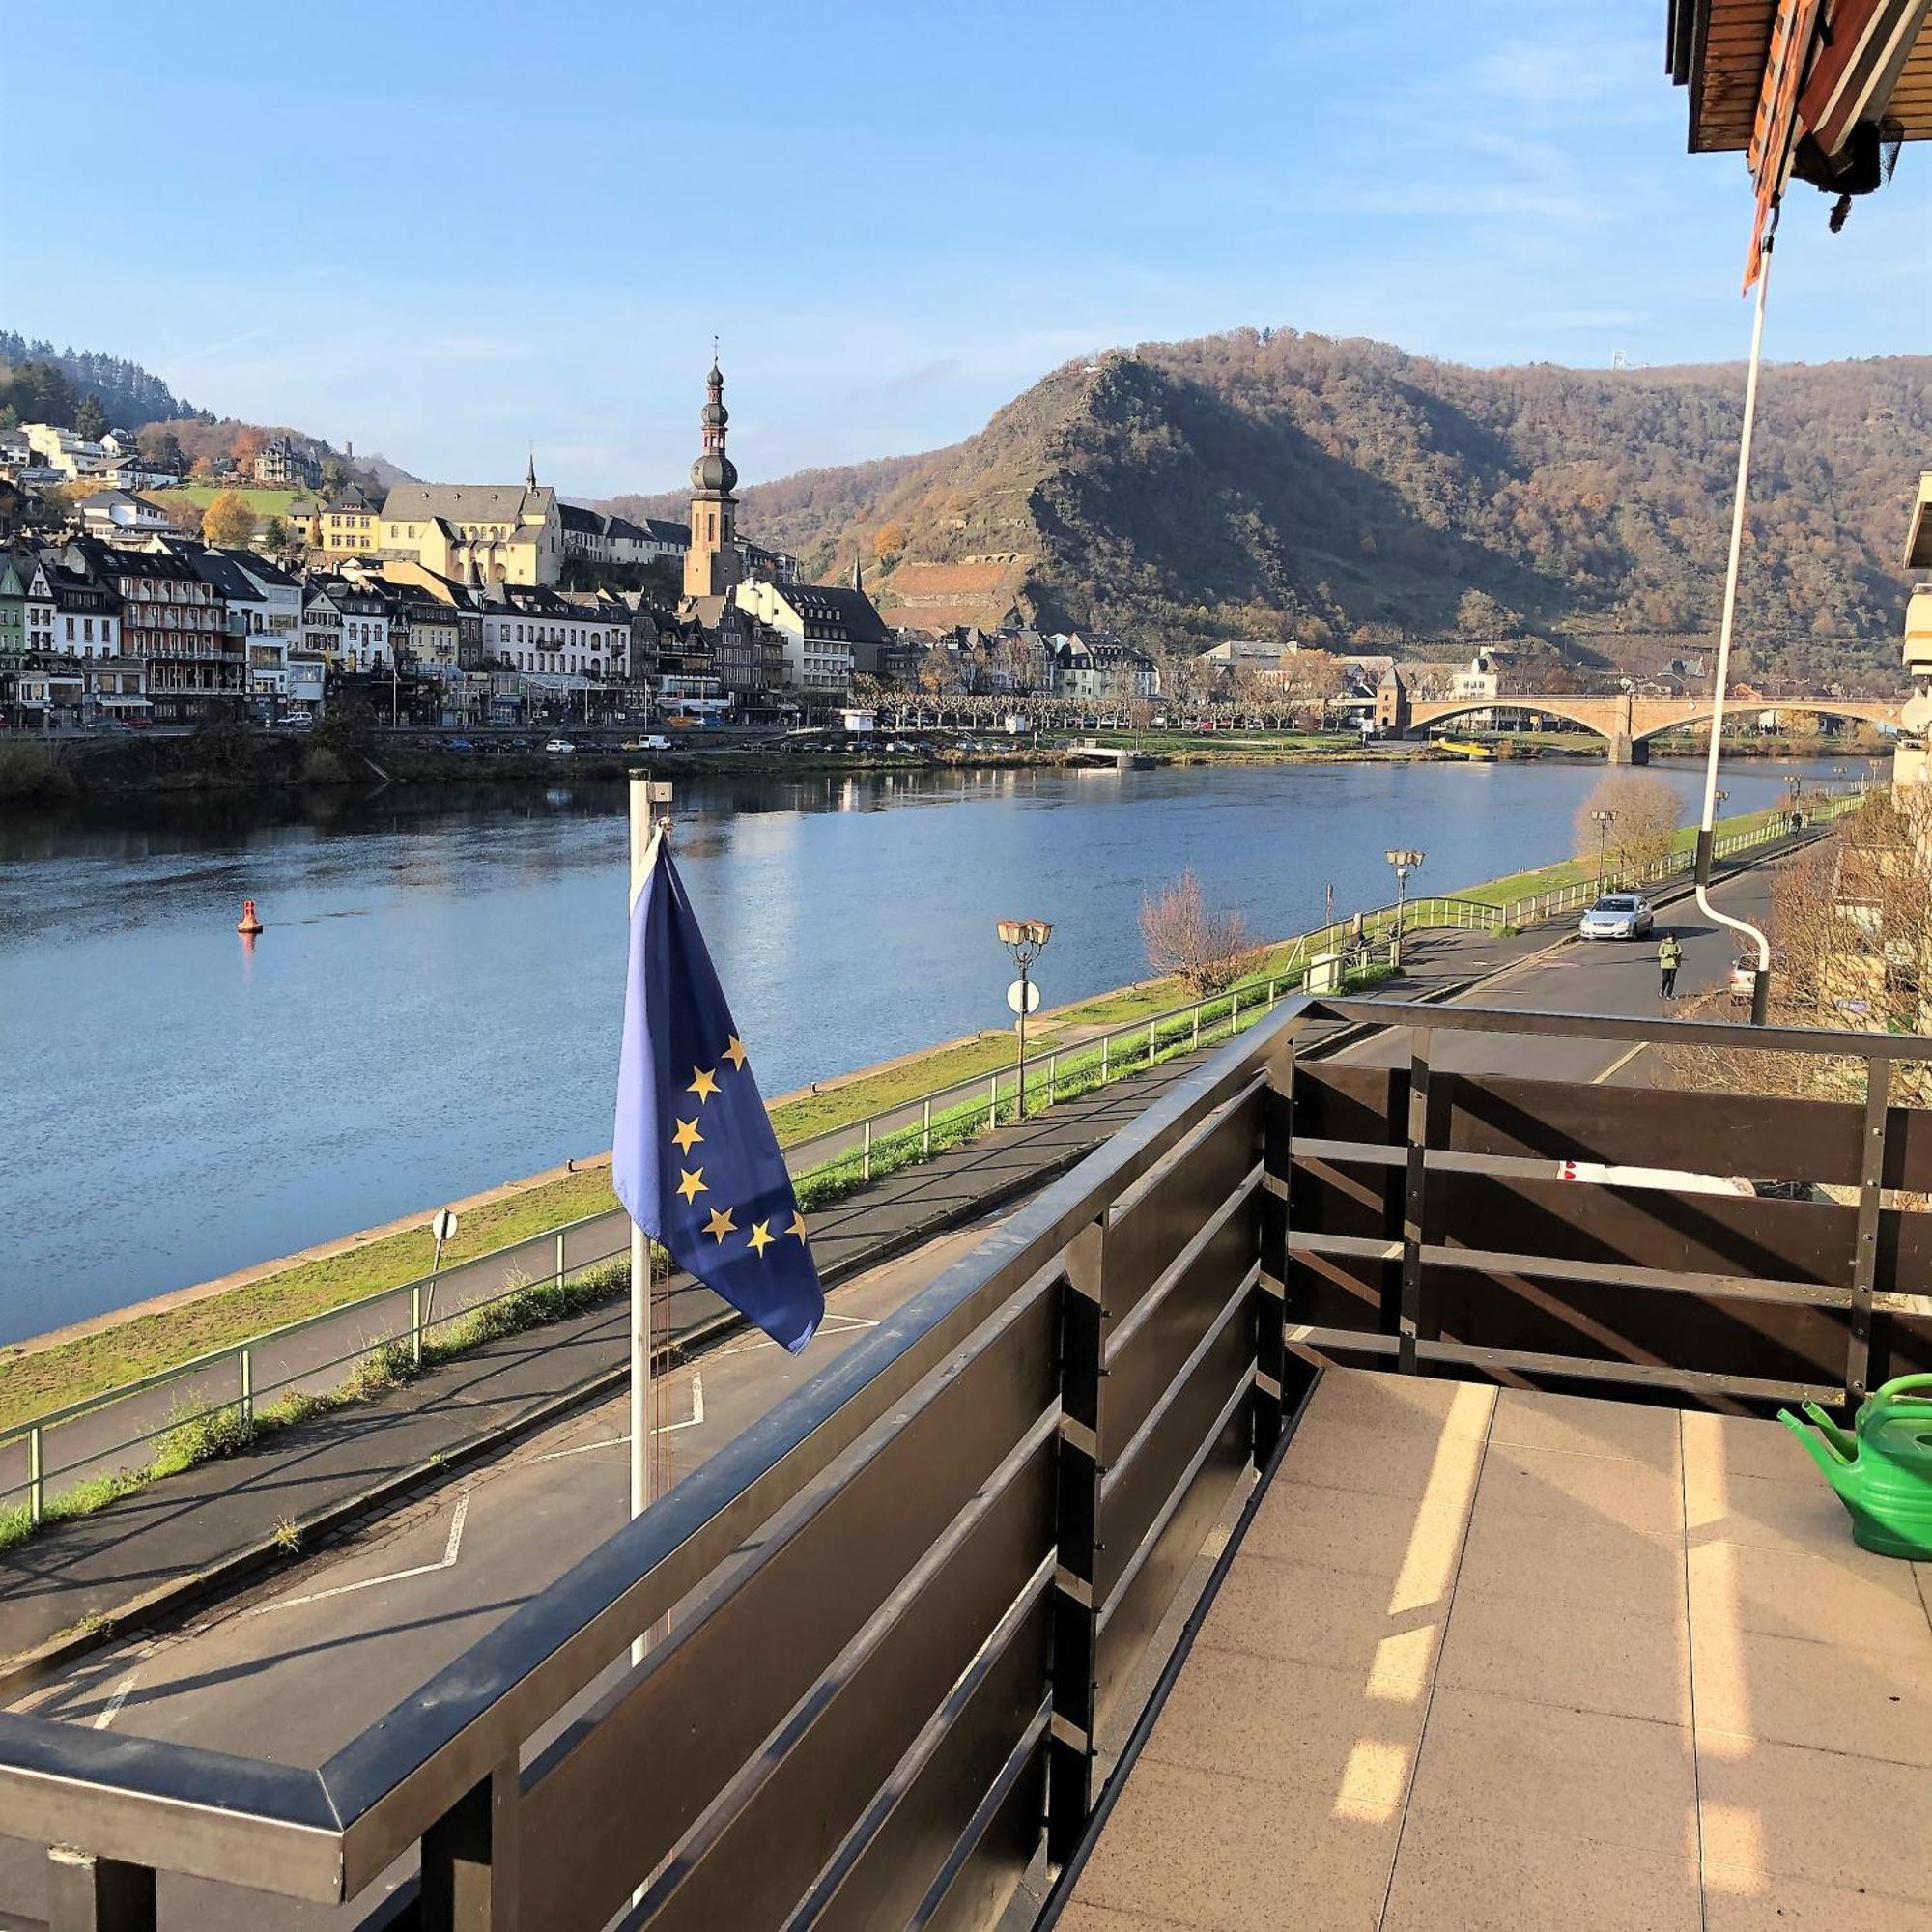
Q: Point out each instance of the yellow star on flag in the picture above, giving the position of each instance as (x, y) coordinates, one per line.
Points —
(687, 1134)
(797, 1225)
(735, 1054)
(721, 1223)
(702, 1084)
(761, 1237)
(693, 1183)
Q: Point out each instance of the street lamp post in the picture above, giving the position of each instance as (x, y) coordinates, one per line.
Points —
(1604, 821)
(1403, 860)
(1024, 938)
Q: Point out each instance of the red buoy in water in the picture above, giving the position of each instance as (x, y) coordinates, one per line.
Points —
(248, 924)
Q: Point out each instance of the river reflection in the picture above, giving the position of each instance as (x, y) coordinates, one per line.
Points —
(434, 1006)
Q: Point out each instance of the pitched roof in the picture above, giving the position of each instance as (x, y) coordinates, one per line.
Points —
(851, 611)
(262, 571)
(468, 502)
(218, 568)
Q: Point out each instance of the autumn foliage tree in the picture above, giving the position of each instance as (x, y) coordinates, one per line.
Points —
(1643, 824)
(179, 508)
(228, 520)
(888, 543)
(1205, 948)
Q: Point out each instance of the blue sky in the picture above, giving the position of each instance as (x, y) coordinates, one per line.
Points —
(445, 232)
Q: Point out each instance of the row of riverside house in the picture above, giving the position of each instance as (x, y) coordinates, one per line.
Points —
(165, 629)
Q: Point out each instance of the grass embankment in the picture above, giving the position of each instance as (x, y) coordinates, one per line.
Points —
(1573, 872)
(31, 1383)
(70, 1370)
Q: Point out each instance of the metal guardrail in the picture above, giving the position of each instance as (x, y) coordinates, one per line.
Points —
(231, 1378)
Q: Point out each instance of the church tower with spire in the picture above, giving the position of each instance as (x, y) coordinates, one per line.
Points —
(712, 565)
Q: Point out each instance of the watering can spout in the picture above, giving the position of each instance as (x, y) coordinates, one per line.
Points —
(1841, 1439)
(1821, 1445)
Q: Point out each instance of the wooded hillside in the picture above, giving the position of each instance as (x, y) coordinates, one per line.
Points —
(1271, 484)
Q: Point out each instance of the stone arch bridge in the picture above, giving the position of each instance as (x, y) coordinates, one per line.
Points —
(1629, 723)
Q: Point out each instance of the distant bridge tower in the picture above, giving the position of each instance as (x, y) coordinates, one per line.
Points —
(1619, 360)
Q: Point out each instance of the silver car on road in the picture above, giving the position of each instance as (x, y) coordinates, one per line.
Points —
(1617, 916)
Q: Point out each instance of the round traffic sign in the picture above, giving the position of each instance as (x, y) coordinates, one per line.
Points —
(1027, 990)
(444, 1227)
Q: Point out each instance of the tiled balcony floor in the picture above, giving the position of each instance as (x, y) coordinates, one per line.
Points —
(1528, 1662)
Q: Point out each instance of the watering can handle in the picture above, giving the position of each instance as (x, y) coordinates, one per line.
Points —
(1894, 1390)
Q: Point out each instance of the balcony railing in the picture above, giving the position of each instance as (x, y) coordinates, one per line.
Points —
(929, 1575)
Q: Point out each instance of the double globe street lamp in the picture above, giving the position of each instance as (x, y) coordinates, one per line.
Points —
(1403, 861)
(1604, 820)
(1025, 939)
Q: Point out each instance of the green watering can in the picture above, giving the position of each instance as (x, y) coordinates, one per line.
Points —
(1883, 1470)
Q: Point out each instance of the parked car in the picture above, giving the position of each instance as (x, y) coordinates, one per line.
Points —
(1617, 916)
(558, 747)
(460, 745)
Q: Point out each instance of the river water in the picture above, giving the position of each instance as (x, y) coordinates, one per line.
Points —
(434, 1005)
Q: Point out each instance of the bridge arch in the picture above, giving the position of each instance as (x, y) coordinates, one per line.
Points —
(1859, 711)
(1628, 723)
(1594, 714)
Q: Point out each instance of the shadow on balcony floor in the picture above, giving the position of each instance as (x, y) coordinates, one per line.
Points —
(1543, 1661)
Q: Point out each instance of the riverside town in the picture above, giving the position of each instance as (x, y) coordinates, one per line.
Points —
(1081, 1081)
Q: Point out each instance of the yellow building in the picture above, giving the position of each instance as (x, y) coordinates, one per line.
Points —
(477, 533)
(348, 526)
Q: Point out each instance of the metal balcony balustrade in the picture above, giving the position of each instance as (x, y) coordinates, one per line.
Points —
(912, 1598)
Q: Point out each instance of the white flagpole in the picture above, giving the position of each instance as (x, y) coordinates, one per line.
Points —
(644, 834)
(1721, 677)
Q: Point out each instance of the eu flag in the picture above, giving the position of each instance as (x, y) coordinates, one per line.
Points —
(694, 1159)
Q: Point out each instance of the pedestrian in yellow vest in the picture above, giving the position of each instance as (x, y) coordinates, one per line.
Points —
(1669, 956)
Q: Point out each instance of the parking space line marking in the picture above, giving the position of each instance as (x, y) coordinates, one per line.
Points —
(849, 1325)
(450, 1548)
(112, 1708)
(1617, 1065)
(692, 1421)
